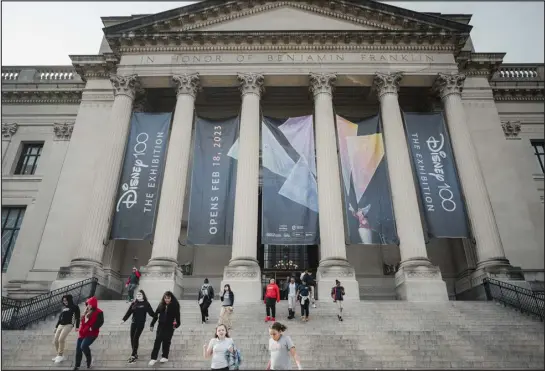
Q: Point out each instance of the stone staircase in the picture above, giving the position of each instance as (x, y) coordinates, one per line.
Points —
(373, 335)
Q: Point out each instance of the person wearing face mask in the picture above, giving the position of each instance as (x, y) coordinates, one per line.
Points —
(227, 302)
(168, 315)
(281, 348)
(218, 348)
(91, 321)
(138, 309)
(69, 317)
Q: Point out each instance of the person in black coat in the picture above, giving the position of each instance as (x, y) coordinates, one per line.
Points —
(168, 315)
(138, 309)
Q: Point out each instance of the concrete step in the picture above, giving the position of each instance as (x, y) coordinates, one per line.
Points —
(382, 334)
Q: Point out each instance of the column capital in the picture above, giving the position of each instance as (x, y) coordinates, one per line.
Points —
(447, 84)
(251, 83)
(125, 85)
(387, 83)
(187, 83)
(8, 130)
(322, 83)
(63, 131)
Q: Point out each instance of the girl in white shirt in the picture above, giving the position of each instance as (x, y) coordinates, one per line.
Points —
(218, 347)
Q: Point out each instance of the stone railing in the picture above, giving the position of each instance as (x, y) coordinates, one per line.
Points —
(40, 74)
(520, 72)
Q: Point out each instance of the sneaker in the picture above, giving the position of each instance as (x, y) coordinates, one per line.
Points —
(152, 362)
(314, 305)
(55, 358)
(75, 368)
(163, 360)
(59, 359)
(267, 319)
(131, 359)
(340, 318)
(273, 319)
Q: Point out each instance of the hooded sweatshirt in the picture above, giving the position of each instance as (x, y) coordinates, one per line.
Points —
(70, 313)
(91, 323)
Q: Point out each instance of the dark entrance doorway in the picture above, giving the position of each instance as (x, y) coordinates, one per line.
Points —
(284, 261)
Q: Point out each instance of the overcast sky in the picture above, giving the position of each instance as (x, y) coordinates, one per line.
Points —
(45, 33)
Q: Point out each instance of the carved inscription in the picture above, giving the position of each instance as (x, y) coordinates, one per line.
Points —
(290, 58)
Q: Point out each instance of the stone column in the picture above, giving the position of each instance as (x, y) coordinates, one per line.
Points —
(417, 279)
(162, 272)
(489, 248)
(243, 273)
(8, 130)
(333, 263)
(95, 237)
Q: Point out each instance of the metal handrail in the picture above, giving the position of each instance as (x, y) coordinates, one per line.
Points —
(527, 301)
(18, 314)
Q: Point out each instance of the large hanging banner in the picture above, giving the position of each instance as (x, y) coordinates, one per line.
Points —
(140, 182)
(435, 170)
(368, 203)
(213, 182)
(289, 191)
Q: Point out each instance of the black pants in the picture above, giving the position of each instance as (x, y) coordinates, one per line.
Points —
(270, 305)
(204, 309)
(304, 308)
(162, 340)
(136, 331)
(82, 347)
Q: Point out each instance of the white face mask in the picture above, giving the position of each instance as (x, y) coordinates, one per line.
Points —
(139, 297)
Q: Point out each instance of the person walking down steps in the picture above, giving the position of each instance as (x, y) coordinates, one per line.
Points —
(303, 294)
(281, 347)
(218, 348)
(337, 294)
(272, 296)
(206, 295)
(292, 297)
(91, 321)
(69, 317)
(227, 302)
(132, 283)
(138, 309)
(168, 315)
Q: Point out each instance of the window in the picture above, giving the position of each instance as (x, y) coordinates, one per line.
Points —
(29, 158)
(540, 153)
(12, 218)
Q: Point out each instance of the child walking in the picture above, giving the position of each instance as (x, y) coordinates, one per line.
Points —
(281, 348)
(227, 302)
(69, 317)
(138, 309)
(337, 293)
(218, 348)
(168, 315)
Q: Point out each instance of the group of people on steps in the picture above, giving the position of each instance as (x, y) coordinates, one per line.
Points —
(222, 350)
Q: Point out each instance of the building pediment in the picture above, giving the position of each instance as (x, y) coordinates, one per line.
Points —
(273, 15)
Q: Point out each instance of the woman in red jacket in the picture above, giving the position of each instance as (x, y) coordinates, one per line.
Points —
(272, 296)
(91, 321)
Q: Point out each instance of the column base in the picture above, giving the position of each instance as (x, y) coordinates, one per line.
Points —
(157, 279)
(244, 277)
(337, 269)
(77, 273)
(496, 269)
(418, 280)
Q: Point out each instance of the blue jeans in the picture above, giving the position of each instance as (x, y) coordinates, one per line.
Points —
(82, 346)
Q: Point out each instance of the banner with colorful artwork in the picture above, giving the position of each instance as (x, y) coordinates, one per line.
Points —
(289, 190)
(368, 203)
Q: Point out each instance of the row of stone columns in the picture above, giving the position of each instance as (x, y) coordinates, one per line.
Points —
(416, 279)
